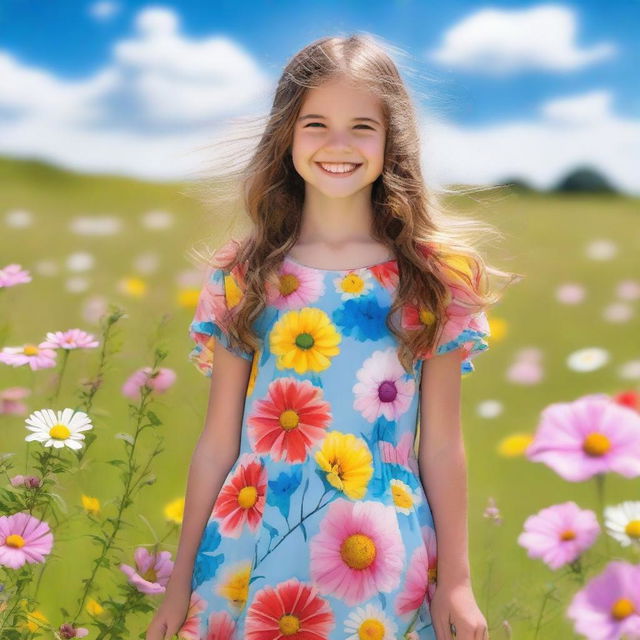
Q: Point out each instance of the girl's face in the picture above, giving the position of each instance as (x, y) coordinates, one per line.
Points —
(339, 128)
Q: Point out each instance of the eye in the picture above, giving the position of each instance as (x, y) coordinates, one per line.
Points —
(366, 126)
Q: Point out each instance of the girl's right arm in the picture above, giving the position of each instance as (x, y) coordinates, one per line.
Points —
(215, 453)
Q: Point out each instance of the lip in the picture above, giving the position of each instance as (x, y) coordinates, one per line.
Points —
(340, 175)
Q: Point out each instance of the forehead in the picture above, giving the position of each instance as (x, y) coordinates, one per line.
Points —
(340, 97)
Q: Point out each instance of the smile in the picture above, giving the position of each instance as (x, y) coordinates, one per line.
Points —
(338, 169)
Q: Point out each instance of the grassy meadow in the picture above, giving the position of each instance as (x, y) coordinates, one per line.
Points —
(545, 239)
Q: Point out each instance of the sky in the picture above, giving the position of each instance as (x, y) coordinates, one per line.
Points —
(502, 90)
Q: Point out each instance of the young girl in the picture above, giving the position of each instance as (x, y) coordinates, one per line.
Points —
(307, 512)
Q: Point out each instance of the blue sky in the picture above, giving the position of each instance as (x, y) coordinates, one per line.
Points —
(502, 83)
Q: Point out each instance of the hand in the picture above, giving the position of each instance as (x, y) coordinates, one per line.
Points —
(456, 605)
(170, 615)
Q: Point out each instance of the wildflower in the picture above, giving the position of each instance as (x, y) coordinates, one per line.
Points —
(160, 382)
(514, 445)
(71, 339)
(622, 522)
(23, 538)
(61, 430)
(174, 510)
(10, 401)
(152, 571)
(589, 436)
(69, 631)
(94, 608)
(31, 482)
(188, 298)
(36, 356)
(91, 505)
(492, 512)
(12, 275)
(134, 287)
(559, 534)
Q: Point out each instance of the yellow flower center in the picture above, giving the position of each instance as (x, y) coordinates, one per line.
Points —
(371, 630)
(352, 283)
(567, 535)
(596, 444)
(30, 350)
(59, 432)
(288, 284)
(432, 575)
(622, 608)
(289, 625)
(14, 540)
(304, 340)
(247, 497)
(150, 575)
(400, 497)
(289, 419)
(358, 551)
(426, 317)
(633, 529)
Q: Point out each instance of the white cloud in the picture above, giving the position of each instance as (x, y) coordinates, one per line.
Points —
(502, 41)
(104, 10)
(569, 131)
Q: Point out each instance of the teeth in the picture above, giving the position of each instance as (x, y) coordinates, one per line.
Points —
(338, 167)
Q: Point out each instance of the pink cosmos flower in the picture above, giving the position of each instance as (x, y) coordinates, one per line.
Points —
(69, 631)
(589, 436)
(152, 571)
(559, 534)
(71, 339)
(31, 482)
(163, 379)
(23, 538)
(10, 401)
(36, 356)
(608, 607)
(12, 275)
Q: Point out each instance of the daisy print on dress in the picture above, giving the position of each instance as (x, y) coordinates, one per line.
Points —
(384, 389)
(354, 284)
(370, 621)
(290, 419)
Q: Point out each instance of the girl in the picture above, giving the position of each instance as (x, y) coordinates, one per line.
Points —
(307, 512)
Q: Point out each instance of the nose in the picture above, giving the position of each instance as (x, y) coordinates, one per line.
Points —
(338, 140)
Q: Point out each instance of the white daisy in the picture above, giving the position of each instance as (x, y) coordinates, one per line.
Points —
(404, 499)
(61, 430)
(369, 622)
(622, 522)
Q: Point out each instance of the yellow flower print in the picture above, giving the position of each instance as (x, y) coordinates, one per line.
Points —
(232, 291)
(347, 462)
(304, 340)
(236, 587)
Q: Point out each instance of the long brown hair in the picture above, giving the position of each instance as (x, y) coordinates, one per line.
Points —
(433, 246)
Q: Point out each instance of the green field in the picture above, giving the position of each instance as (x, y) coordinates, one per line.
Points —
(545, 239)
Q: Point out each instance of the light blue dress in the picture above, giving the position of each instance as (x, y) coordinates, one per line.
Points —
(322, 528)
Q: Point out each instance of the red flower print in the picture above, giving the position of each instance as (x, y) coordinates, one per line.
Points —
(289, 420)
(241, 499)
(292, 608)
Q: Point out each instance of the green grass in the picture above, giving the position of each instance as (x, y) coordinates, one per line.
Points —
(545, 240)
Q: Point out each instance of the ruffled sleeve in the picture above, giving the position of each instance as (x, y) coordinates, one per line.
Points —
(219, 294)
(464, 331)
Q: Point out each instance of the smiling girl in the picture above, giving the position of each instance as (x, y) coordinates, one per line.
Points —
(335, 334)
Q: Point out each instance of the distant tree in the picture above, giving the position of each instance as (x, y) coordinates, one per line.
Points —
(584, 179)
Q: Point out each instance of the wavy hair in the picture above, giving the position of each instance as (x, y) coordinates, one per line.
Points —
(434, 246)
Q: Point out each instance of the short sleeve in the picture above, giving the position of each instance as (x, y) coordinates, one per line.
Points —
(219, 294)
(464, 331)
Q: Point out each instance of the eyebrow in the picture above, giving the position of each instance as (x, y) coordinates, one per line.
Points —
(317, 115)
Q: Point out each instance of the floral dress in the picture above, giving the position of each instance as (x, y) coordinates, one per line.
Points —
(322, 529)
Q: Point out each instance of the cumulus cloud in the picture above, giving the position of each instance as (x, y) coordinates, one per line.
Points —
(505, 41)
(568, 131)
(104, 10)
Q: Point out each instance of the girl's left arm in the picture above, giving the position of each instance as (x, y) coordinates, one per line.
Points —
(443, 472)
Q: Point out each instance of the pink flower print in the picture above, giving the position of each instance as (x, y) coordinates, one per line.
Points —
(152, 571)
(23, 538)
(383, 388)
(588, 436)
(221, 626)
(36, 356)
(401, 454)
(559, 534)
(358, 551)
(298, 286)
(190, 629)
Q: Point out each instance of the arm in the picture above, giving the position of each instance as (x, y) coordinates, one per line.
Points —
(214, 454)
(443, 471)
